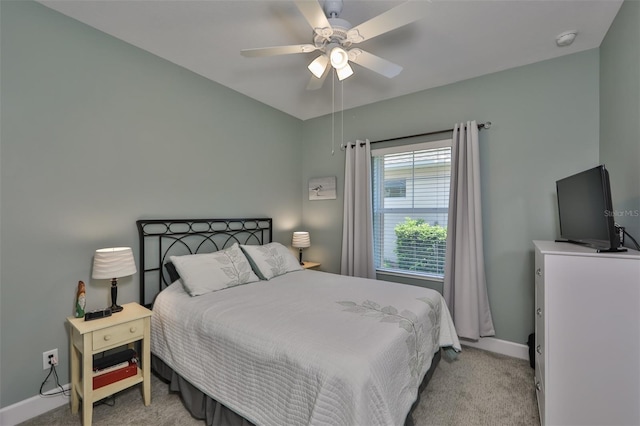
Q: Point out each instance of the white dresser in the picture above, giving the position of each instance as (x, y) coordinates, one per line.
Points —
(587, 323)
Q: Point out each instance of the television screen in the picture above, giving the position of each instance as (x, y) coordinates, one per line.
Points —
(586, 212)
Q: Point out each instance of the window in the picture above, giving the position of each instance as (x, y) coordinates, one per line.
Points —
(410, 207)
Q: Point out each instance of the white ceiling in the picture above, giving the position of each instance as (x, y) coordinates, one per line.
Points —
(454, 41)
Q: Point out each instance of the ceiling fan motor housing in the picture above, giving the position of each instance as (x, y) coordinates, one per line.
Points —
(332, 8)
(339, 35)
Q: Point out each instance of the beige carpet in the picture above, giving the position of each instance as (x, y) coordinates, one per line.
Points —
(479, 388)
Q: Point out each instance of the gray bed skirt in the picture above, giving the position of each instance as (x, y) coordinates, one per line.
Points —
(206, 408)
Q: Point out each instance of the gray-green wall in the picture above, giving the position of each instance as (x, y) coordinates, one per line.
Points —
(545, 127)
(96, 134)
(620, 115)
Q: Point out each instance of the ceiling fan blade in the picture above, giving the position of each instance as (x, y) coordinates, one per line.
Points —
(374, 63)
(316, 83)
(277, 50)
(397, 17)
(313, 13)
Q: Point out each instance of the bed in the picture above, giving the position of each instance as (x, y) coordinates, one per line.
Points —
(286, 346)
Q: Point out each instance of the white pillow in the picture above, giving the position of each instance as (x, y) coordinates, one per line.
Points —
(271, 260)
(207, 272)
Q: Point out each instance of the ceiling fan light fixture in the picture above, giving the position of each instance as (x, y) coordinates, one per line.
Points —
(319, 65)
(339, 57)
(344, 72)
(333, 36)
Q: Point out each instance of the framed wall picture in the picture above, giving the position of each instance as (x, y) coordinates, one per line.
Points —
(323, 188)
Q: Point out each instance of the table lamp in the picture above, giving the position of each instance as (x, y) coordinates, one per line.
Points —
(113, 263)
(301, 240)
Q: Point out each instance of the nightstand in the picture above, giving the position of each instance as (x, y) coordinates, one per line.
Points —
(130, 325)
(310, 265)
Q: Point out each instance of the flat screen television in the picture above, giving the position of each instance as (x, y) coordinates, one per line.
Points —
(586, 210)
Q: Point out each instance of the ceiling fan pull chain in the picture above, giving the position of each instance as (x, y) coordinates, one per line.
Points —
(333, 113)
(342, 112)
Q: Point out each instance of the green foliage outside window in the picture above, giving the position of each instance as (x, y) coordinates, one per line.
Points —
(420, 247)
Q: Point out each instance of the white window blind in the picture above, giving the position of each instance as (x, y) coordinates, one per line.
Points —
(410, 207)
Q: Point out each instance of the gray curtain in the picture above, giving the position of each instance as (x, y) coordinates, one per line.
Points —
(465, 288)
(357, 224)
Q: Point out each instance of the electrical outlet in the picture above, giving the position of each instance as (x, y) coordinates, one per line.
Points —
(45, 358)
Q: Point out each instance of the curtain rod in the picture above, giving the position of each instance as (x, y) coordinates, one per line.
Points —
(486, 125)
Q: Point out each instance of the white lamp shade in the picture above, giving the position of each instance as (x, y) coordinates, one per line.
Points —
(319, 65)
(113, 262)
(301, 240)
(339, 57)
(344, 72)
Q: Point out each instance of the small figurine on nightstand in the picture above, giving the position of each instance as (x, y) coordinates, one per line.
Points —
(81, 300)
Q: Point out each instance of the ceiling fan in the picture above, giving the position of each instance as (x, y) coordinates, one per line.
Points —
(334, 38)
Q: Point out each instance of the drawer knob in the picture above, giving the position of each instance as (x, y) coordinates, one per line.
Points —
(538, 386)
(539, 349)
(539, 312)
(107, 337)
(539, 272)
(132, 329)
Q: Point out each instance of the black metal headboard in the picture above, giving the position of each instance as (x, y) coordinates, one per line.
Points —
(161, 238)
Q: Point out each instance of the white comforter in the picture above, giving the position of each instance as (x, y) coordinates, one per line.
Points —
(307, 347)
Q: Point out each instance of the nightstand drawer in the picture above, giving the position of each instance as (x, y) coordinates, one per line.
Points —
(122, 333)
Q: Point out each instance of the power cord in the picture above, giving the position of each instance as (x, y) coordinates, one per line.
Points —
(632, 239)
(108, 401)
(52, 370)
(624, 231)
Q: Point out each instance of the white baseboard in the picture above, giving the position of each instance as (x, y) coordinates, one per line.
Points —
(31, 407)
(503, 347)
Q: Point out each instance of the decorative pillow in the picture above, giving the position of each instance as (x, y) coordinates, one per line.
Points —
(271, 260)
(204, 273)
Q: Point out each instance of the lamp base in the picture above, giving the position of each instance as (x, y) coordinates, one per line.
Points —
(114, 296)
(300, 257)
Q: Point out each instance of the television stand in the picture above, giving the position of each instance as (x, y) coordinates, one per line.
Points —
(587, 324)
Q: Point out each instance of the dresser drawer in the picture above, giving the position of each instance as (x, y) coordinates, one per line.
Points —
(118, 334)
(540, 343)
(539, 384)
(540, 359)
